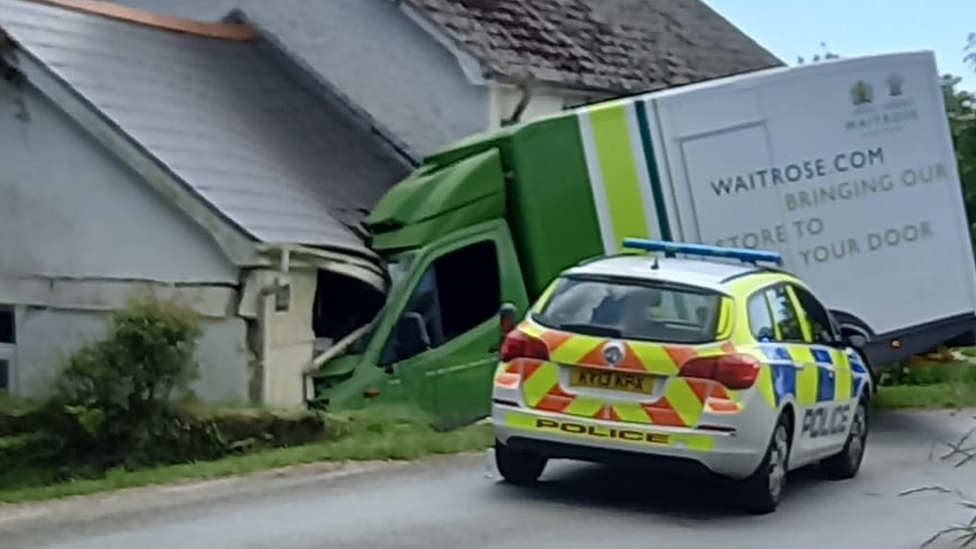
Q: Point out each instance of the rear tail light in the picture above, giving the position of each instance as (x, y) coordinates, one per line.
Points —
(734, 371)
(518, 344)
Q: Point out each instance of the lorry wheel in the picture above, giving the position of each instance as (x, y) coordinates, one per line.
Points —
(519, 467)
(846, 464)
(762, 491)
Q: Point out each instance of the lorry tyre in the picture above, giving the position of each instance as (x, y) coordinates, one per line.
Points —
(518, 467)
(761, 492)
(847, 462)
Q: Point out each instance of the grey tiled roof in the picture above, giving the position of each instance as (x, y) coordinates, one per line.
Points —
(371, 52)
(274, 157)
(619, 45)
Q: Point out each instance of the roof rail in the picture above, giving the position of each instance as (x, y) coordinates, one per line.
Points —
(744, 255)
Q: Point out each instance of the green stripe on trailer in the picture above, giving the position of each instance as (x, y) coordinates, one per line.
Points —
(624, 180)
(644, 123)
(618, 171)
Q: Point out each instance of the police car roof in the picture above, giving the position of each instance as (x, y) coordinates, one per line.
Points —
(713, 274)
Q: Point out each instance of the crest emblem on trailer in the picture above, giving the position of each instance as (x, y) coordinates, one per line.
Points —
(862, 93)
(613, 353)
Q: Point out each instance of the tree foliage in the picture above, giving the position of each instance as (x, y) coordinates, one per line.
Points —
(971, 50)
(825, 55)
(961, 110)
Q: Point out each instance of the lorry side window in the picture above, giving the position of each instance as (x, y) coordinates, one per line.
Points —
(457, 292)
(784, 315)
(760, 319)
(816, 315)
(469, 287)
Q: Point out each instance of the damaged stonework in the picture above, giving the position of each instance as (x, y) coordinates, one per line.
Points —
(279, 306)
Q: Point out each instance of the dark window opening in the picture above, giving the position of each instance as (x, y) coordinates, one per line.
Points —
(458, 292)
(342, 304)
(8, 333)
(816, 315)
(4, 375)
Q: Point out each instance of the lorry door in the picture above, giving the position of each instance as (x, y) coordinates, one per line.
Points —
(453, 309)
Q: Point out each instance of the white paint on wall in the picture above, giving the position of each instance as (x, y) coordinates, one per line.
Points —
(48, 336)
(544, 101)
(68, 208)
(80, 233)
(287, 339)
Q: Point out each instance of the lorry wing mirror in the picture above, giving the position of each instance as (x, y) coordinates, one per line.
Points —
(857, 341)
(507, 318)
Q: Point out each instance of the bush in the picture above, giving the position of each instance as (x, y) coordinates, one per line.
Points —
(112, 398)
(114, 406)
(147, 356)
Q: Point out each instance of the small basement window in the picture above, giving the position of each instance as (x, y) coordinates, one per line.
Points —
(4, 375)
(8, 334)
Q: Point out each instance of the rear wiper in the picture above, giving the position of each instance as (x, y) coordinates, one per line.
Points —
(592, 329)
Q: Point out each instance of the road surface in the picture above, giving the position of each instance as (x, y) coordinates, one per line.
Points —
(450, 503)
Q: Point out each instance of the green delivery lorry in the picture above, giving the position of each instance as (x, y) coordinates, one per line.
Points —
(846, 168)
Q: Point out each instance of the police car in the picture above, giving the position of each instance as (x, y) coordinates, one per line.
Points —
(729, 367)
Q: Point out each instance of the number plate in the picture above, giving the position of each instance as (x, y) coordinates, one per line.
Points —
(610, 379)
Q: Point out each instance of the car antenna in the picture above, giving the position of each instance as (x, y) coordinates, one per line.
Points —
(655, 266)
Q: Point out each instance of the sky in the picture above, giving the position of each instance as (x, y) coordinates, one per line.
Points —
(792, 28)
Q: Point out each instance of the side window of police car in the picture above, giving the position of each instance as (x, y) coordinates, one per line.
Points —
(784, 315)
(760, 321)
(817, 317)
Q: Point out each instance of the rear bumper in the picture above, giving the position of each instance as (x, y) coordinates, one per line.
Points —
(735, 455)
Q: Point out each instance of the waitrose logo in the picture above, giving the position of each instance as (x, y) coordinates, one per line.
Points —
(889, 112)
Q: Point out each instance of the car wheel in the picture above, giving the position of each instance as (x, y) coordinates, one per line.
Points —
(762, 491)
(519, 467)
(847, 462)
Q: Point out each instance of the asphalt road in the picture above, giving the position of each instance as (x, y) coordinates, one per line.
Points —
(451, 503)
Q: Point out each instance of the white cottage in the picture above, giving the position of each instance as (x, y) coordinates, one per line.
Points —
(143, 153)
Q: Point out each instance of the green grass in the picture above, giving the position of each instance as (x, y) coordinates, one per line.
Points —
(936, 386)
(383, 435)
(937, 396)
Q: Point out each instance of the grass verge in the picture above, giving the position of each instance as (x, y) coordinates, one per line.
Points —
(937, 396)
(927, 386)
(366, 436)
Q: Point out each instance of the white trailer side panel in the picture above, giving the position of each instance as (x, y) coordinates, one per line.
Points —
(845, 167)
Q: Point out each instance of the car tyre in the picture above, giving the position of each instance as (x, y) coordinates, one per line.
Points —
(847, 462)
(763, 490)
(518, 467)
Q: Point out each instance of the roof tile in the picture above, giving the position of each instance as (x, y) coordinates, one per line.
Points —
(613, 45)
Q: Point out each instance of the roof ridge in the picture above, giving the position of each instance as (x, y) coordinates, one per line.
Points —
(111, 10)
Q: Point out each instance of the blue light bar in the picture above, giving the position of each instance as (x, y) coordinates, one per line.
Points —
(670, 248)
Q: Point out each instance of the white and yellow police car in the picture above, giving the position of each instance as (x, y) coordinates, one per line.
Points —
(727, 366)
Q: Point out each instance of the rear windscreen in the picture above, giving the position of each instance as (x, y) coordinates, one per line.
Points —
(632, 309)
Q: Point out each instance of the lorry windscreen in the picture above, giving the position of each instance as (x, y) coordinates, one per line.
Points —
(628, 308)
